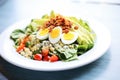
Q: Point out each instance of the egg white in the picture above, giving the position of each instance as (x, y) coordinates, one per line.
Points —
(69, 41)
(55, 40)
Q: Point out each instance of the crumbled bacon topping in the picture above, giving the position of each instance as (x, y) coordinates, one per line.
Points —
(59, 21)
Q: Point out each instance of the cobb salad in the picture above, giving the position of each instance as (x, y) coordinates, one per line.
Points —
(54, 37)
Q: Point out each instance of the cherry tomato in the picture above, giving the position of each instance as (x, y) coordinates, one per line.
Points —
(53, 58)
(37, 57)
(45, 52)
(46, 58)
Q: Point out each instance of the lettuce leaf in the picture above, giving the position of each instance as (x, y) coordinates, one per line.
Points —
(67, 54)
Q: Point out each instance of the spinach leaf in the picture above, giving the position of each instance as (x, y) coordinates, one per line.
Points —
(16, 34)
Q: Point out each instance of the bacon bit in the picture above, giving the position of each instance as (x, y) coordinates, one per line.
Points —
(63, 28)
(51, 27)
(58, 21)
(66, 30)
(76, 27)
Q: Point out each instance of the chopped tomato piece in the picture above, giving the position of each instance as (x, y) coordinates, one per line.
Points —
(45, 52)
(53, 58)
(22, 44)
(46, 58)
(21, 47)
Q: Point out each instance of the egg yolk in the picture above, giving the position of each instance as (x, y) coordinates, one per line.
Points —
(68, 36)
(44, 32)
(55, 33)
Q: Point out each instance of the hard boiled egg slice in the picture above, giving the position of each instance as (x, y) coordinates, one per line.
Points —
(43, 34)
(69, 38)
(55, 35)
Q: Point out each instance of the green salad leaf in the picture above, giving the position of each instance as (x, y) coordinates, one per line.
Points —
(67, 54)
(16, 34)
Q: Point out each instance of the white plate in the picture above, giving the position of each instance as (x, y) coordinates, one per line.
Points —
(8, 52)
